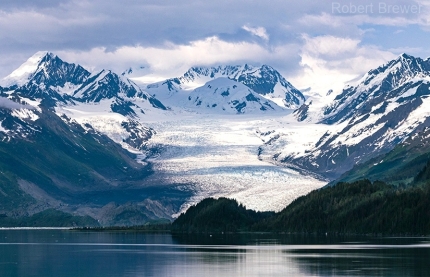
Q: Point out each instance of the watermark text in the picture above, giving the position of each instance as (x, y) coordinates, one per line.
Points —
(374, 8)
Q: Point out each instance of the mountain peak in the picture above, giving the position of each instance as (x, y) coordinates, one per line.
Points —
(47, 68)
(47, 57)
(23, 73)
(398, 71)
(405, 62)
(386, 83)
(54, 72)
(39, 55)
(405, 56)
(268, 67)
(248, 67)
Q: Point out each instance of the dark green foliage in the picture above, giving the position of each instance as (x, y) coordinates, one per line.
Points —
(360, 207)
(48, 218)
(424, 175)
(161, 225)
(217, 215)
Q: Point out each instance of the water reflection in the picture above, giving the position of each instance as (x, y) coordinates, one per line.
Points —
(372, 260)
(71, 253)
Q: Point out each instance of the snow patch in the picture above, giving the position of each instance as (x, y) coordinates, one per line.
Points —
(67, 89)
(2, 129)
(25, 114)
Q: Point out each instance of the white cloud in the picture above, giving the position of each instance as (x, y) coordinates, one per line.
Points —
(326, 62)
(258, 31)
(329, 45)
(116, 35)
(11, 105)
(173, 60)
(329, 62)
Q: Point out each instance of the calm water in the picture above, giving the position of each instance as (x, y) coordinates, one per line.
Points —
(72, 253)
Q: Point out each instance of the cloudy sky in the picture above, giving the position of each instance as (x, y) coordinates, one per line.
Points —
(318, 44)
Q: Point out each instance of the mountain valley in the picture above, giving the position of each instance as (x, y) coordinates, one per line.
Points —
(99, 144)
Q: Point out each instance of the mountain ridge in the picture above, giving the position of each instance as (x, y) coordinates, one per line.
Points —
(264, 80)
(383, 109)
(224, 94)
(52, 161)
(386, 105)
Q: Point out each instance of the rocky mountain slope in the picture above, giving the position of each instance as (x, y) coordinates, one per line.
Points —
(78, 141)
(397, 167)
(52, 161)
(388, 105)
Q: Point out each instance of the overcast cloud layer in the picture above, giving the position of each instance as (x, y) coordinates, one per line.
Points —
(318, 44)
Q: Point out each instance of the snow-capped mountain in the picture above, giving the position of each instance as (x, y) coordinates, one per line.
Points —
(385, 107)
(223, 94)
(123, 94)
(49, 102)
(397, 81)
(45, 76)
(47, 68)
(312, 110)
(264, 80)
(17, 118)
(69, 142)
(96, 99)
(52, 162)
